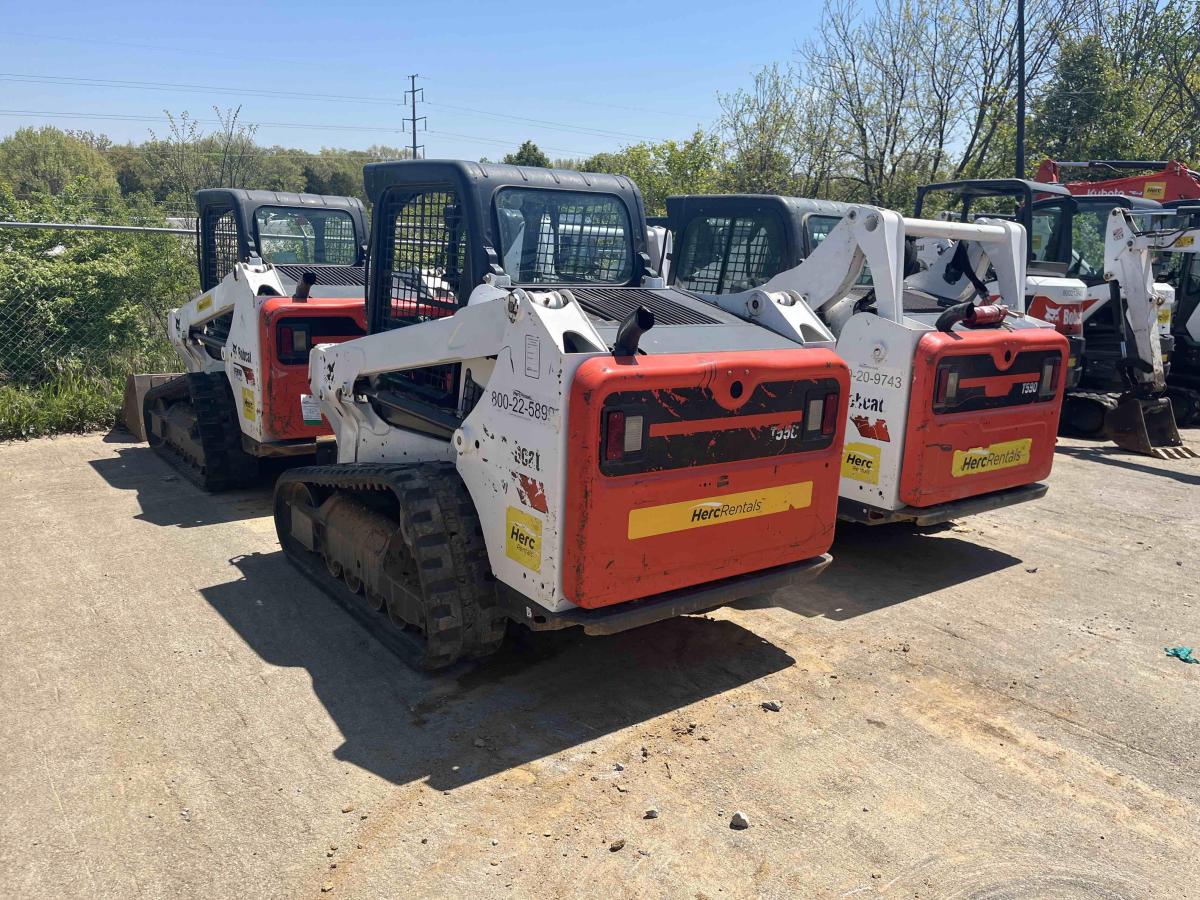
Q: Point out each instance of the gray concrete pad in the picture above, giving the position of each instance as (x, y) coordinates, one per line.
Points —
(985, 711)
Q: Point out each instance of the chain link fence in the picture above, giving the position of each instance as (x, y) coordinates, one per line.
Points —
(79, 311)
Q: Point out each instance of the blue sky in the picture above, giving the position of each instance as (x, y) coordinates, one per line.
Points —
(593, 77)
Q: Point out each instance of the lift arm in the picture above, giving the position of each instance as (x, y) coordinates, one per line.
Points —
(875, 237)
(185, 324)
(1128, 266)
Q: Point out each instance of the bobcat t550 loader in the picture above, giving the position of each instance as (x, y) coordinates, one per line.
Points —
(279, 273)
(537, 429)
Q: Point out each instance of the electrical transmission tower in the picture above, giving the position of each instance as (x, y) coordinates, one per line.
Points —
(413, 119)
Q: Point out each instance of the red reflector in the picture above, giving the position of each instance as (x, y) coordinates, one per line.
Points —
(829, 414)
(614, 435)
(286, 342)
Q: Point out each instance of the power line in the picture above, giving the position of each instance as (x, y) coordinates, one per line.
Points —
(375, 129)
(303, 95)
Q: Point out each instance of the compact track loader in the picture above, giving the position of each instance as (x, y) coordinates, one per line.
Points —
(954, 404)
(279, 273)
(538, 430)
(1122, 394)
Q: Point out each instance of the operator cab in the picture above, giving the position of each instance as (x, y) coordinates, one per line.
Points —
(1069, 230)
(447, 233)
(295, 233)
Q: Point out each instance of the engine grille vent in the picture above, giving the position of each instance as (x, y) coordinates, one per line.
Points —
(615, 304)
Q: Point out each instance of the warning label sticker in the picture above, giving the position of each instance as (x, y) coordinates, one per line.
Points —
(310, 409)
(248, 404)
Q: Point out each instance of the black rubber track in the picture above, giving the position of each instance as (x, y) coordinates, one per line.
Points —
(225, 465)
(447, 558)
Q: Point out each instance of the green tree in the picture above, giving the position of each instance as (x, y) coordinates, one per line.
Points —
(528, 154)
(1087, 111)
(46, 160)
(664, 168)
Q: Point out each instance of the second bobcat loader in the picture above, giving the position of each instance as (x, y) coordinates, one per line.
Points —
(538, 430)
(279, 273)
(954, 404)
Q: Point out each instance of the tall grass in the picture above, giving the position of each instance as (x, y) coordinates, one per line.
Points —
(70, 402)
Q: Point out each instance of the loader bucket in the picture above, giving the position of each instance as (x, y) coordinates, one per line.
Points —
(1146, 426)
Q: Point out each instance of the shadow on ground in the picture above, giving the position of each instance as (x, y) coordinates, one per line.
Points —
(879, 566)
(1123, 459)
(525, 703)
(167, 497)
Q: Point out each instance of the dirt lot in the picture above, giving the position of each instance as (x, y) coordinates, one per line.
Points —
(982, 712)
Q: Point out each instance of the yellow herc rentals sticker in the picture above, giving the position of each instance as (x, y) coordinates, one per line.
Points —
(248, 403)
(523, 542)
(669, 517)
(1005, 455)
(205, 303)
(1155, 190)
(861, 463)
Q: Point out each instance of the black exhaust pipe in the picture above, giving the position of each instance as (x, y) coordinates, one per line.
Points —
(307, 280)
(635, 325)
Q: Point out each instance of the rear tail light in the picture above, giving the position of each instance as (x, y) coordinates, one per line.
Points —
(1049, 383)
(614, 435)
(829, 413)
(947, 387)
(813, 414)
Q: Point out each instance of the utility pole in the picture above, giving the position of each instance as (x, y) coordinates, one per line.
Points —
(1020, 88)
(411, 94)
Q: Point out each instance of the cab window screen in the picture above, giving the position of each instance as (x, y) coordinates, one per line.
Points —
(728, 254)
(222, 240)
(564, 237)
(422, 261)
(299, 236)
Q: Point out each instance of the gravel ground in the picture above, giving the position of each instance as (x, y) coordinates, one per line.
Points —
(986, 711)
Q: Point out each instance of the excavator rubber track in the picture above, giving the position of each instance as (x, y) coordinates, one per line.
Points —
(399, 547)
(1085, 412)
(1185, 400)
(192, 422)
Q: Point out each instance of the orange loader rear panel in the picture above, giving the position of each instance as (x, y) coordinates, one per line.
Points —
(983, 413)
(689, 468)
(288, 331)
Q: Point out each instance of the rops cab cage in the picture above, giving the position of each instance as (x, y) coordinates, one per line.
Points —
(297, 233)
(443, 225)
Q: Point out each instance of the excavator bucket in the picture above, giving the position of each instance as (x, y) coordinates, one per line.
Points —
(1146, 426)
